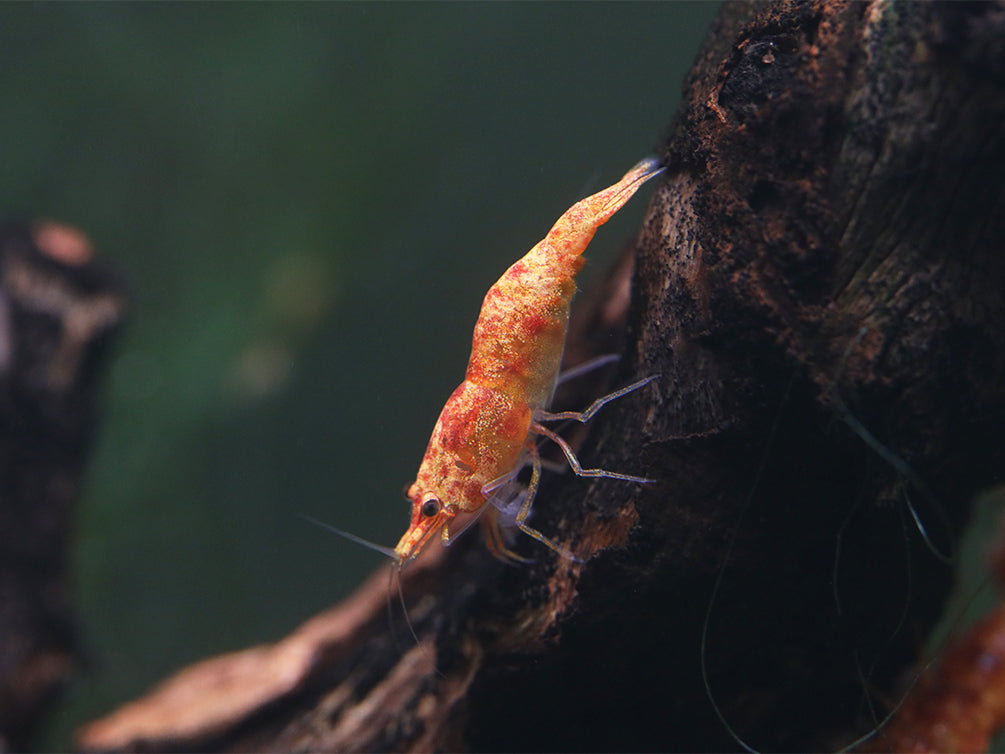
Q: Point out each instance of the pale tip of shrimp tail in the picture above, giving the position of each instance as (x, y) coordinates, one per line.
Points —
(622, 191)
(643, 171)
(649, 166)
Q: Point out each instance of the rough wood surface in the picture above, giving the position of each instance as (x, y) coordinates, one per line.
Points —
(58, 309)
(819, 284)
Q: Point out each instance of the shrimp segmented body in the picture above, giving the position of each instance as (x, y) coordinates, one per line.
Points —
(487, 430)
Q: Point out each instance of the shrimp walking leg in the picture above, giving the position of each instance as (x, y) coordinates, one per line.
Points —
(585, 416)
(577, 467)
(521, 517)
(586, 367)
(502, 503)
(502, 508)
(495, 542)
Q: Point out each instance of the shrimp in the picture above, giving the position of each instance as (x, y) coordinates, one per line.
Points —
(487, 431)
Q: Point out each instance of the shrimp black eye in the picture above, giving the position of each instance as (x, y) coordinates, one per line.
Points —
(431, 507)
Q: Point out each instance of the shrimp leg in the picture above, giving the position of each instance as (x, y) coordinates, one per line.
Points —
(577, 467)
(521, 517)
(494, 538)
(586, 367)
(585, 416)
(497, 545)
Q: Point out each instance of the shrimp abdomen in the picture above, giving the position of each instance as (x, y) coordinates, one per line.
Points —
(518, 339)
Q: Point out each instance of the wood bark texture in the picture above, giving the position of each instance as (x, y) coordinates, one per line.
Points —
(58, 311)
(819, 284)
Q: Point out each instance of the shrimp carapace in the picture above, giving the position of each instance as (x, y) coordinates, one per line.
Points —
(487, 430)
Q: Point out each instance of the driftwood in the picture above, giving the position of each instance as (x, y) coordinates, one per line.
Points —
(58, 310)
(819, 284)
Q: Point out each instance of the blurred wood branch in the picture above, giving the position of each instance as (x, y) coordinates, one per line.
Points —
(58, 311)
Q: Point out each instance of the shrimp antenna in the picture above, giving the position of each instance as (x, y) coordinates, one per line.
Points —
(390, 574)
(401, 601)
(386, 551)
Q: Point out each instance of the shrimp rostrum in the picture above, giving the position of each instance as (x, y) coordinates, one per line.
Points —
(488, 429)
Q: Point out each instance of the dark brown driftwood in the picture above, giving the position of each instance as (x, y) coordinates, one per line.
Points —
(819, 283)
(57, 311)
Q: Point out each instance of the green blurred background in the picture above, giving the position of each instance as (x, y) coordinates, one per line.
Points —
(308, 202)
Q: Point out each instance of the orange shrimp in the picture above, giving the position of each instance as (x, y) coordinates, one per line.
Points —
(487, 430)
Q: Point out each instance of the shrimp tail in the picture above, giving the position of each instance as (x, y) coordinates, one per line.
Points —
(575, 229)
